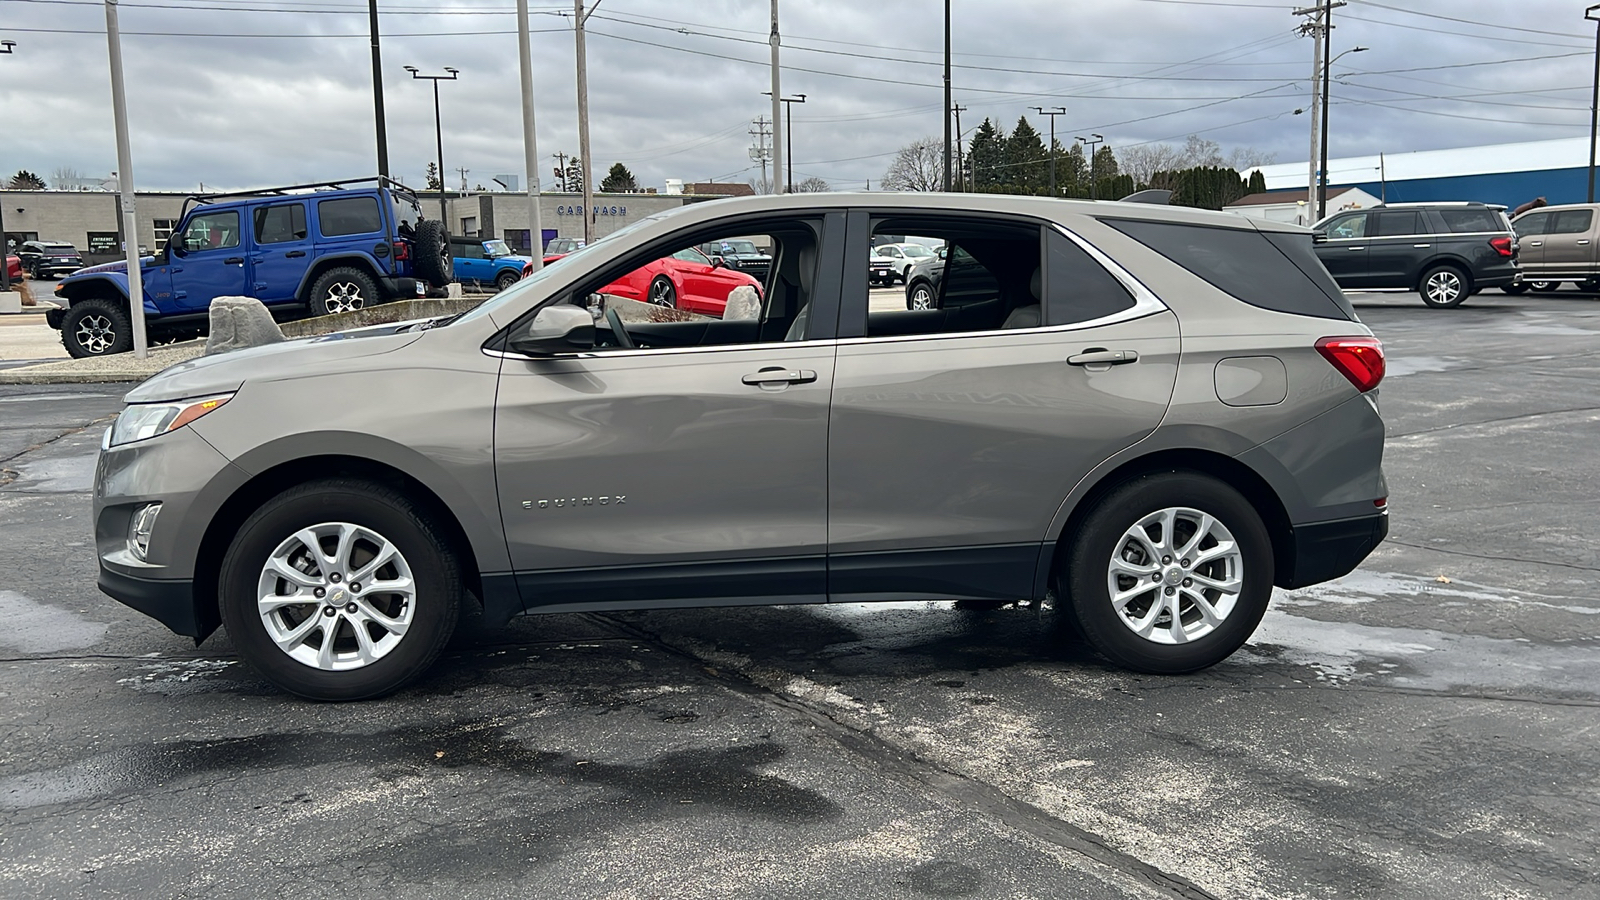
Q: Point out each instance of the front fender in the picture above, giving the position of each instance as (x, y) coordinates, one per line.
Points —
(98, 284)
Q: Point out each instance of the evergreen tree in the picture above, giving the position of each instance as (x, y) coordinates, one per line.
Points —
(1104, 164)
(1026, 163)
(433, 177)
(1073, 173)
(619, 181)
(1257, 183)
(985, 157)
(25, 181)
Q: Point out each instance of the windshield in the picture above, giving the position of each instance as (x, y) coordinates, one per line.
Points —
(747, 247)
(562, 265)
(916, 250)
(496, 248)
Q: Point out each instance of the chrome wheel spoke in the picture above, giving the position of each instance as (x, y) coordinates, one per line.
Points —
(293, 638)
(386, 553)
(396, 627)
(1208, 613)
(1175, 623)
(1121, 599)
(1221, 550)
(1228, 585)
(281, 567)
(1178, 593)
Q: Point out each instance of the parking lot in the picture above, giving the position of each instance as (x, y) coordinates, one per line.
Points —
(1422, 728)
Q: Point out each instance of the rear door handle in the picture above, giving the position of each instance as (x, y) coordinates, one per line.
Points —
(295, 254)
(233, 261)
(781, 376)
(1358, 248)
(1583, 242)
(1422, 246)
(1098, 356)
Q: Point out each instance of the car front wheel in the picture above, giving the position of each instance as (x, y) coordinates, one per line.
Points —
(1170, 573)
(340, 589)
(506, 279)
(96, 327)
(921, 297)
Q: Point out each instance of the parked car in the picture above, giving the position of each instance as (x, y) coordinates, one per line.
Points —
(740, 255)
(316, 249)
(880, 269)
(922, 283)
(47, 259)
(686, 280)
(902, 257)
(1558, 243)
(562, 246)
(14, 268)
(1155, 413)
(486, 262)
(1444, 251)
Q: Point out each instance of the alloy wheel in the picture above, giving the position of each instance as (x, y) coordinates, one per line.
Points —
(336, 596)
(1443, 287)
(1175, 576)
(344, 296)
(922, 298)
(661, 293)
(95, 333)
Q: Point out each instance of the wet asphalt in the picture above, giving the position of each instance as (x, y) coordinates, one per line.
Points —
(1423, 728)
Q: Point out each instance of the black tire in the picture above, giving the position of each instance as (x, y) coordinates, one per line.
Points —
(1444, 286)
(96, 327)
(1544, 287)
(662, 293)
(921, 295)
(343, 289)
(1516, 289)
(430, 248)
(1101, 535)
(433, 567)
(506, 279)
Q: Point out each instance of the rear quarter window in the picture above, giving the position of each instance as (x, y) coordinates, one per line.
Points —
(1471, 221)
(348, 215)
(1272, 270)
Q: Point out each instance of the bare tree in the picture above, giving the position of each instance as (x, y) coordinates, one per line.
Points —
(813, 185)
(919, 166)
(1145, 160)
(1243, 159)
(762, 184)
(66, 178)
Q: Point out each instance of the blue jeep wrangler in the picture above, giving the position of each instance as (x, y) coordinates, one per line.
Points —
(486, 261)
(310, 249)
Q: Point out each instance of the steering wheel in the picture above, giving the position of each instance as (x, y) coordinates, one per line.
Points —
(624, 340)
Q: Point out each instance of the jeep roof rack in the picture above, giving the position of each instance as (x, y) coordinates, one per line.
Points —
(379, 180)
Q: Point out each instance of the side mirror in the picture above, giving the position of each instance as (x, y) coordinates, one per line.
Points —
(559, 328)
(944, 252)
(718, 262)
(175, 245)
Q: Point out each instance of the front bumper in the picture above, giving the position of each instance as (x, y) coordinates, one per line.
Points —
(1324, 551)
(169, 602)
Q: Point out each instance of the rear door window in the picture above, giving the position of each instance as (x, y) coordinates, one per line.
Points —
(1273, 270)
(1396, 222)
(280, 223)
(349, 215)
(1471, 221)
(1532, 224)
(1572, 221)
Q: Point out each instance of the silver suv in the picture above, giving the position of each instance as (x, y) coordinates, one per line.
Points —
(1156, 414)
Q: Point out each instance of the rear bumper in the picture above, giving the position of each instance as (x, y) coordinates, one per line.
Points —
(169, 602)
(1324, 551)
(402, 288)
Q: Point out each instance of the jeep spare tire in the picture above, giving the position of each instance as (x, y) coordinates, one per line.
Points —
(432, 250)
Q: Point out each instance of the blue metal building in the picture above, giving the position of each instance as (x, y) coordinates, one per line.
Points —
(1507, 174)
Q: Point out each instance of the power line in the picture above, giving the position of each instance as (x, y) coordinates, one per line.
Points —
(1480, 24)
(1457, 33)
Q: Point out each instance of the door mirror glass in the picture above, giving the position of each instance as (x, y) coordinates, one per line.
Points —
(560, 328)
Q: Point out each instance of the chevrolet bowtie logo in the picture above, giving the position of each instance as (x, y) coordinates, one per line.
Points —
(337, 596)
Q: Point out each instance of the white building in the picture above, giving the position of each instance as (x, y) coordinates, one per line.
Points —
(1290, 205)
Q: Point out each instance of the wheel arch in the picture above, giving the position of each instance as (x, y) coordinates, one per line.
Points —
(322, 264)
(1238, 475)
(1443, 259)
(94, 287)
(224, 524)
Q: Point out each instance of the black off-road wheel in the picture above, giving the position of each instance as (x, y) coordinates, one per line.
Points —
(340, 589)
(1169, 573)
(431, 247)
(506, 279)
(341, 290)
(96, 327)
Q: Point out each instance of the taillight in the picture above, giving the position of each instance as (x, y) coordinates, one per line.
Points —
(1501, 245)
(402, 251)
(1359, 359)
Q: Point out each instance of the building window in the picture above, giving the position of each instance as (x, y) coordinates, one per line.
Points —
(517, 240)
(469, 226)
(163, 228)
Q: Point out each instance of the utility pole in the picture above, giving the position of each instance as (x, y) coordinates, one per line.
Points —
(5, 247)
(1594, 104)
(1091, 145)
(130, 218)
(961, 169)
(1327, 67)
(579, 18)
(530, 142)
(377, 92)
(438, 132)
(777, 97)
(463, 179)
(788, 133)
(759, 152)
(1052, 113)
(561, 171)
(947, 103)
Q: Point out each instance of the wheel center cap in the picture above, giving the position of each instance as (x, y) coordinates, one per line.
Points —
(1174, 575)
(338, 596)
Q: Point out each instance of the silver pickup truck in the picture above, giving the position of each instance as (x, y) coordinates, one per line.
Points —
(1558, 244)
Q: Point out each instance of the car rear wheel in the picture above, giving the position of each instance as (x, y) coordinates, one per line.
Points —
(662, 293)
(340, 589)
(1520, 287)
(96, 327)
(1544, 287)
(921, 297)
(1170, 573)
(342, 290)
(1442, 287)
(506, 279)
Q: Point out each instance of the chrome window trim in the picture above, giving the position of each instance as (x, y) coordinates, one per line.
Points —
(1127, 315)
(621, 352)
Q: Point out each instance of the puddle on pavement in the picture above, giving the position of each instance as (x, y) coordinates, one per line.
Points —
(56, 475)
(1542, 323)
(1395, 367)
(34, 627)
(179, 676)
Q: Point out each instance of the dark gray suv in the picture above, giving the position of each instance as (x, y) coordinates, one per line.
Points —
(1444, 251)
(1152, 414)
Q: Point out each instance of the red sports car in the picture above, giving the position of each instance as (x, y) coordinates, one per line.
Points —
(686, 280)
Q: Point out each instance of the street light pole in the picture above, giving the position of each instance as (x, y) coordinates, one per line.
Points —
(947, 103)
(530, 142)
(1052, 113)
(1594, 104)
(438, 132)
(130, 219)
(5, 248)
(585, 169)
(777, 96)
(788, 134)
(1322, 184)
(1091, 145)
(377, 91)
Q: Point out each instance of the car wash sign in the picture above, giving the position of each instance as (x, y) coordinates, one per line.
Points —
(598, 211)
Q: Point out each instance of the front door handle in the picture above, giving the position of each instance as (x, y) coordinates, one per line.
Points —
(295, 254)
(780, 376)
(1536, 243)
(1099, 356)
(1584, 242)
(233, 261)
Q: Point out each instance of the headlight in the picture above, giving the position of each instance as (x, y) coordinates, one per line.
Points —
(146, 420)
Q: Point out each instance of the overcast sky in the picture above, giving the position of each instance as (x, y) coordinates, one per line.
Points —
(246, 93)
